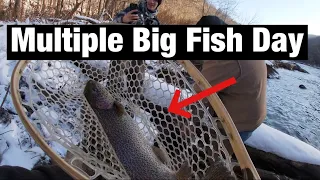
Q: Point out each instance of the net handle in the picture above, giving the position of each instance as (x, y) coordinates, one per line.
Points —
(16, 75)
(226, 120)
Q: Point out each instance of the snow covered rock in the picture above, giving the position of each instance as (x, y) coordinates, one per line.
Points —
(274, 141)
(289, 65)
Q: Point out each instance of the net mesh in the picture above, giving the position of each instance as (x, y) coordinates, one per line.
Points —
(52, 95)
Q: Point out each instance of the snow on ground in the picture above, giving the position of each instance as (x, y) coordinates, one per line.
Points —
(4, 68)
(292, 110)
(16, 146)
(274, 141)
(87, 18)
(269, 62)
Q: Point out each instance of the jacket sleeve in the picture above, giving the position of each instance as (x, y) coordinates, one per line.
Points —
(158, 22)
(52, 172)
(118, 17)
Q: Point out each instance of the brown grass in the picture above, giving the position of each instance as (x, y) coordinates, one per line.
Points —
(171, 11)
(186, 12)
(180, 12)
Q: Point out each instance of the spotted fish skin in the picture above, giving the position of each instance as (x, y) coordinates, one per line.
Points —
(131, 147)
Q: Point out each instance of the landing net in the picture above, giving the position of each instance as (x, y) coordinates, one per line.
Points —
(49, 98)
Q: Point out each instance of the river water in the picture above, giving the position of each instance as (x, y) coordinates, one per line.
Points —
(293, 110)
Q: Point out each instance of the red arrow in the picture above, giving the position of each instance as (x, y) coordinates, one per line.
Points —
(176, 107)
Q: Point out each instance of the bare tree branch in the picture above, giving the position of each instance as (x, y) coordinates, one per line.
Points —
(5, 132)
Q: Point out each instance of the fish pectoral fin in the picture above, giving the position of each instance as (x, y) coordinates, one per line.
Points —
(219, 171)
(161, 155)
(184, 172)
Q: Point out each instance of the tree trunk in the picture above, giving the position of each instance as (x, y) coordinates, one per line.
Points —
(16, 9)
(38, 9)
(10, 5)
(69, 16)
(43, 6)
(106, 5)
(22, 9)
(1, 5)
(82, 8)
(54, 3)
(88, 8)
(58, 5)
(113, 8)
(61, 5)
(99, 8)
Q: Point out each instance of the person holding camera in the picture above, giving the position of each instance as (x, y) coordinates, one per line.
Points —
(143, 13)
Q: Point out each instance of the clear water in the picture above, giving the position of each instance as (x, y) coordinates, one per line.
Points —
(293, 110)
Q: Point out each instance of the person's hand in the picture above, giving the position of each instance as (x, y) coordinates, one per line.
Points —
(130, 17)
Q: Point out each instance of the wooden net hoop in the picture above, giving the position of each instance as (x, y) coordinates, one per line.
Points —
(228, 125)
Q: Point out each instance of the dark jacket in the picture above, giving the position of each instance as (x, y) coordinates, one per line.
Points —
(146, 17)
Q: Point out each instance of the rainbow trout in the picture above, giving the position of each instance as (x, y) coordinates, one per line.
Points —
(133, 151)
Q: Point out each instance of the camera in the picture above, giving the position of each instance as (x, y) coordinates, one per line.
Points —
(133, 7)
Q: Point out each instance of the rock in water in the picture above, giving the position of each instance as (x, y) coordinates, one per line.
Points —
(302, 86)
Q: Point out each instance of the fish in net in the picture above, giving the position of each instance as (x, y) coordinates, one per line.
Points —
(53, 93)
